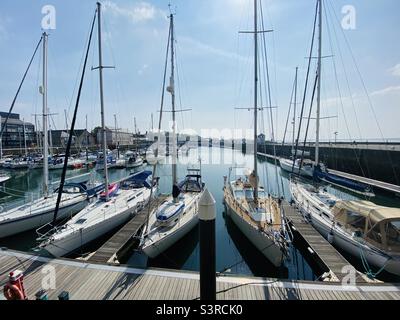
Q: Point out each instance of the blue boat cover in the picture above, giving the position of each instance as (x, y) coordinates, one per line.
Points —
(341, 181)
(139, 179)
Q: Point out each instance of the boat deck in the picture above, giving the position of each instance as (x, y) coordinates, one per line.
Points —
(91, 281)
(123, 238)
(331, 259)
(248, 205)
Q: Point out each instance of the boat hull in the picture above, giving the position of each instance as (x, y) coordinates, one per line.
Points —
(287, 165)
(263, 243)
(154, 249)
(36, 220)
(83, 235)
(345, 241)
(78, 239)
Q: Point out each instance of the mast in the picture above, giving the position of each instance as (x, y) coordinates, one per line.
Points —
(87, 141)
(116, 134)
(26, 150)
(319, 83)
(294, 111)
(1, 139)
(45, 112)
(136, 135)
(172, 91)
(66, 121)
(103, 126)
(255, 99)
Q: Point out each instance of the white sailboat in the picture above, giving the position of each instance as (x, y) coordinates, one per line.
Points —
(178, 214)
(115, 206)
(133, 160)
(257, 214)
(297, 165)
(361, 228)
(4, 177)
(367, 231)
(40, 212)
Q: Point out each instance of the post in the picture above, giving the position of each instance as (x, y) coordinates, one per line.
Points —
(207, 216)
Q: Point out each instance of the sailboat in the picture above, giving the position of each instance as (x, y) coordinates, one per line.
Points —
(299, 166)
(361, 228)
(178, 214)
(40, 212)
(258, 215)
(115, 206)
(133, 159)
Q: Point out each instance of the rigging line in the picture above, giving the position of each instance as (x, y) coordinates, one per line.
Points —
(269, 98)
(179, 84)
(344, 68)
(67, 151)
(341, 100)
(368, 97)
(19, 88)
(263, 130)
(308, 121)
(340, 96)
(305, 88)
(288, 115)
(159, 126)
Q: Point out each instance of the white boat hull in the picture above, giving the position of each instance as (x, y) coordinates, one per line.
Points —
(89, 234)
(343, 240)
(76, 238)
(34, 220)
(164, 240)
(262, 242)
(287, 165)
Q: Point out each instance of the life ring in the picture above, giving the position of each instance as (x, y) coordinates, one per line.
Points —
(12, 292)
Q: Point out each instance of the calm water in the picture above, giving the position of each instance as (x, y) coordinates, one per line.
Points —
(235, 254)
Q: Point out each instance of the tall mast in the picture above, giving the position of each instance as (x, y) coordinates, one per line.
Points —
(172, 91)
(45, 112)
(1, 140)
(255, 97)
(87, 141)
(319, 83)
(294, 109)
(66, 121)
(25, 148)
(103, 126)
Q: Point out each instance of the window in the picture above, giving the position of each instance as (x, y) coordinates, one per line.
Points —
(239, 194)
(248, 193)
(392, 230)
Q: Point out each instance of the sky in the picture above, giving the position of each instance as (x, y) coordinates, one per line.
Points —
(360, 91)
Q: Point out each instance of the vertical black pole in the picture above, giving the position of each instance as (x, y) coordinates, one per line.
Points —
(207, 247)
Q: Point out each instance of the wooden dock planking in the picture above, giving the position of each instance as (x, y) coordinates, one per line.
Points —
(124, 235)
(329, 256)
(105, 282)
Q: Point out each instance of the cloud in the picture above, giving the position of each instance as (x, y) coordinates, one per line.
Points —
(136, 13)
(395, 71)
(3, 31)
(386, 91)
(143, 69)
(200, 47)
